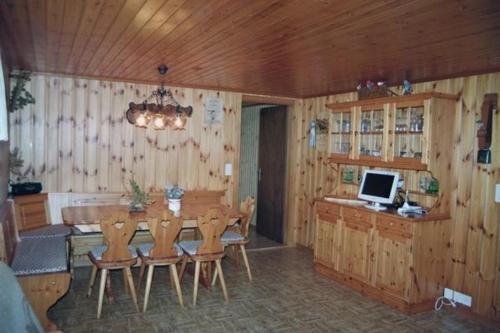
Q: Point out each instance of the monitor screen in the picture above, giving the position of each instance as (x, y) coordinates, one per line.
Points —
(379, 186)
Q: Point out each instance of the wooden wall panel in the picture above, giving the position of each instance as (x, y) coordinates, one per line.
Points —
(473, 266)
(76, 139)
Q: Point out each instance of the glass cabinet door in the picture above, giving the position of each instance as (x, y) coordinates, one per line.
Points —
(341, 133)
(371, 130)
(408, 132)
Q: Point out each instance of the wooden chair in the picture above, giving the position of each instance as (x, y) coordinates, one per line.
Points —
(211, 226)
(163, 252)
(236, 236)
(117, 230)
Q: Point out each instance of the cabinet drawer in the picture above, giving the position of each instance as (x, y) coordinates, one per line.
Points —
(395, 226)
(327, 208)
(356, 215)
(332, 218)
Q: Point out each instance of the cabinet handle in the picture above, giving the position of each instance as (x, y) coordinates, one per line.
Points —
(390, 131)
(355, 133)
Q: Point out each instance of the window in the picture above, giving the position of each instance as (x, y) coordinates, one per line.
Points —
(4, 135)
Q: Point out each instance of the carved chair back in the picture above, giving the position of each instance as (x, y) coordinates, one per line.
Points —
(211, 226)
(164, 231)
(247, 207)
(118, 230)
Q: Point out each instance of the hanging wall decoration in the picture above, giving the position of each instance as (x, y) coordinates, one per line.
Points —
(214, 113)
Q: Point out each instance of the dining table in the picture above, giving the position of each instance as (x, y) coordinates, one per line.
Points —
(87, 220)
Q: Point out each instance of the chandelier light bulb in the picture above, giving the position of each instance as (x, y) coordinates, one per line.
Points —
(159, 123)
(178, 123)
(141, 121)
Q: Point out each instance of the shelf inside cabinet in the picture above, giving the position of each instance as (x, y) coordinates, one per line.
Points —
(372, 161)
(408, 132)
(372, 133)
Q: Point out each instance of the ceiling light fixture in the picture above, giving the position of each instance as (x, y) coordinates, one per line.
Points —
(166, 112)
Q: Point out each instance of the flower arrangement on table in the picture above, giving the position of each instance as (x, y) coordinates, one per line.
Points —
(173, 192)
(140, 199)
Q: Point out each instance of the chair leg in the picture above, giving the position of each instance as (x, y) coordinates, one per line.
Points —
(141, 275)
(132, 288)
(221, 278)
(183, 267)
(236, 256)
(148, 286)
(93, 274)
(101, 292)
(196, 280)
(173, 272)
(172, 283)
(214, 279)
(245, 259)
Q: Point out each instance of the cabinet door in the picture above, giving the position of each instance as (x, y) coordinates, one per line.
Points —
(393, 255)
(371, 133)
(357, 232)
(410, 134)
(341, 134)
(327, 246)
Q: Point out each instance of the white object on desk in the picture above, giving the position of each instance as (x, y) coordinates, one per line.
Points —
(352, 202)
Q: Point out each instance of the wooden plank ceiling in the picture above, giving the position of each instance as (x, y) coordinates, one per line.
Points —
(277, 47)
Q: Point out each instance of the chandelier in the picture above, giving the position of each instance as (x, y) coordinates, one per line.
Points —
(166, 112)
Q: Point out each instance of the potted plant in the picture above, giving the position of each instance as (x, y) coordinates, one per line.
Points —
(140, 199)
(174, 195)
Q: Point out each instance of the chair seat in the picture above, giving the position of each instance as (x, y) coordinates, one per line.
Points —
(143, 249)
(190, 247)
(56, 230)
(40, 256)
(231, 237)
(99, 250)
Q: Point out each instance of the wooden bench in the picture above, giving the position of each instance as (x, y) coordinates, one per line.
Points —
(39, 260)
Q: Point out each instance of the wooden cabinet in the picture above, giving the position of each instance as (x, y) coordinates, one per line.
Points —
(328, 235)
(394, 132)
(356, 234)
(30, 211)
(382, 255)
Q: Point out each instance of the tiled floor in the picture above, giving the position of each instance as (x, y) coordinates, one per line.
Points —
(260, 242)
(285, 296)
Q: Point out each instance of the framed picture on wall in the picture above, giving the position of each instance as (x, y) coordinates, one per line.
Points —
(213, 113)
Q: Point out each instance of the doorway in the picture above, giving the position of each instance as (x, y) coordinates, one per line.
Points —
(263, 170)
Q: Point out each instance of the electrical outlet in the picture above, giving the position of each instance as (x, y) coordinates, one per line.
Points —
(497, 193)
(462, 298)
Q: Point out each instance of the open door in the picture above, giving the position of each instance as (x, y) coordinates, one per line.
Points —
(272, 169)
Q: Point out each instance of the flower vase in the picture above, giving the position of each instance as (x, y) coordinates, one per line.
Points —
(175, 206)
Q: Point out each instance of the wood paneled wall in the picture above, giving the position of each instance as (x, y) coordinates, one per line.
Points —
(75, 138)
(474, 264)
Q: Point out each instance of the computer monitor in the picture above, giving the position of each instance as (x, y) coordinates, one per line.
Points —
(378, 187)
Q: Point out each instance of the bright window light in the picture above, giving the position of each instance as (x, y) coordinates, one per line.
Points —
(4, 135)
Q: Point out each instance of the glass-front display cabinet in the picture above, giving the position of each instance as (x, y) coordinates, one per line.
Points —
(341, 141)
(409, 133)
(395, 132)
(371, 133)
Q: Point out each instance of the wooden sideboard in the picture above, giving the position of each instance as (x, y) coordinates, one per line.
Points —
(399, 261)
